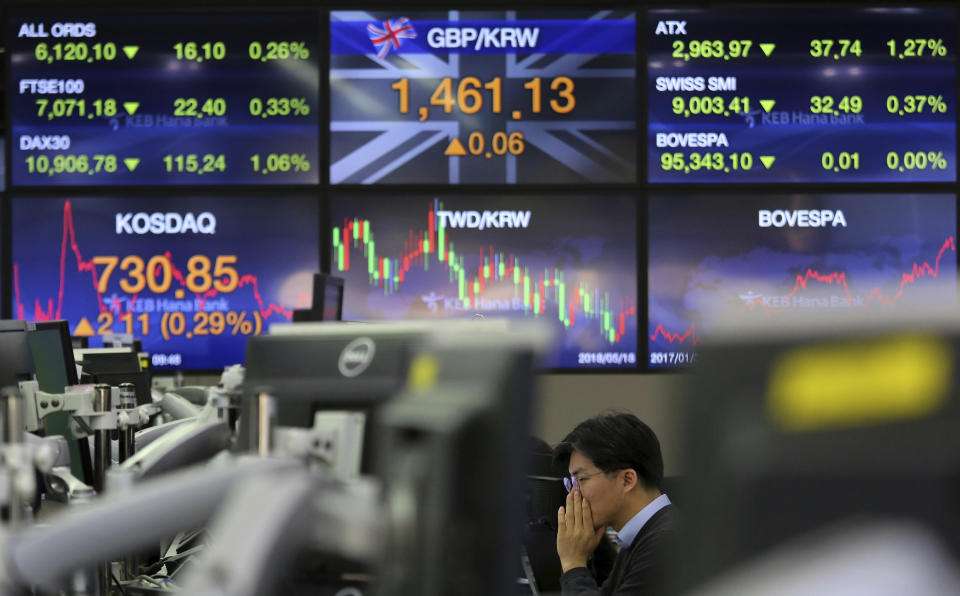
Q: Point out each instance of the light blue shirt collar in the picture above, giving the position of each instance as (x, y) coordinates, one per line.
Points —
(630, 530)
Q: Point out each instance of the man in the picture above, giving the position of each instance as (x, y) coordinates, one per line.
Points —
(616, 469)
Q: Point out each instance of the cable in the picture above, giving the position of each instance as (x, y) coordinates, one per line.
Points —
(117, 582)
(149, 580)
(164, 583)
(156, 567)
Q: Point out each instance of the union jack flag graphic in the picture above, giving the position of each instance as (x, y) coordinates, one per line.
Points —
(390, 35)
(597, 146)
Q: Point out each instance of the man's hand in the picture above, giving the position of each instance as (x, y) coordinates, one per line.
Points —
(576, 536)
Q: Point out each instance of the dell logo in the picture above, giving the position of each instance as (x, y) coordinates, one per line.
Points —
(356, 357)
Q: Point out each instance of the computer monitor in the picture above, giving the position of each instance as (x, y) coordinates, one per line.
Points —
(16, 360)
(327, 300)
(52, 352)
(80, 354)
(326, 367)
(330, 288)
(792, 433)
(52, 349)
(312, 368)
(451, 456)
(116, 367)
(111, 362)
(543, 495)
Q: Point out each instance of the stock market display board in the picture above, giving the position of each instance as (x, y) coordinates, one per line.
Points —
(178, 173)
(567, 260)
(191, 275)
(106, 98)
(814, 95)
(460, 97)
(766, 257)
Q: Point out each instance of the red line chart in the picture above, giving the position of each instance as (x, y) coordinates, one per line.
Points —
(918, 271)
(69, 245)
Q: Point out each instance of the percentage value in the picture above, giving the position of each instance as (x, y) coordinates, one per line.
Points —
(917, 48)
(916, 160)
(278, 50)
(916, 104)
(238, 323)
(216, 323)
(279, 106)
(280, 162)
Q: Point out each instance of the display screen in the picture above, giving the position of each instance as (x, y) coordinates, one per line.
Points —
(126, 98)
(567, 260)
(3, 163)
(727, 259)
(802, 95)
(472, 97)
(190, 275)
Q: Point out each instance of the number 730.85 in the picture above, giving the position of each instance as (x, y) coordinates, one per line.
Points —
(158, 273)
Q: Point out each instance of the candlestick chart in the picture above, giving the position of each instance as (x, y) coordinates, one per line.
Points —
(567, 260)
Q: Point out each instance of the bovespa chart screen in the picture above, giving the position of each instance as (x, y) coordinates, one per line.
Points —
(768, 257)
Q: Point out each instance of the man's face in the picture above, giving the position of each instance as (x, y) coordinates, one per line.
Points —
(598, 488)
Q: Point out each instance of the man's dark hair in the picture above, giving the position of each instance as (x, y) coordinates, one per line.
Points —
(615, 441)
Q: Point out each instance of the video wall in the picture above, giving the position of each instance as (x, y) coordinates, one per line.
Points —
(632, 175)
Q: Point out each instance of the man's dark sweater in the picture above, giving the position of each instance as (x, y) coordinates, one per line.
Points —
(638, 568)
